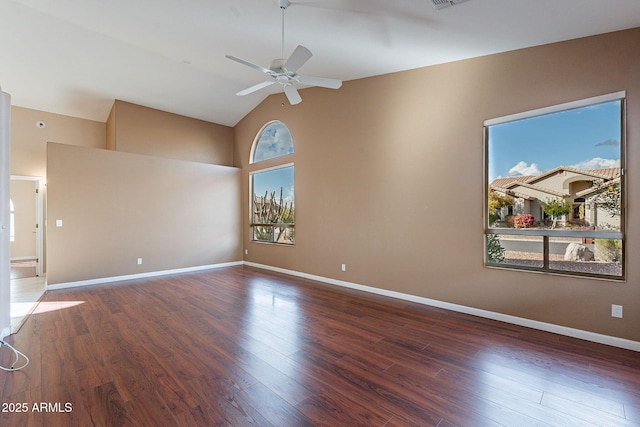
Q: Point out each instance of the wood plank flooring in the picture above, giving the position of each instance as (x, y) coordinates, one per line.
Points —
(245, 347)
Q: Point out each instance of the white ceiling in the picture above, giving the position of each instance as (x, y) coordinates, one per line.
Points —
(75, 57)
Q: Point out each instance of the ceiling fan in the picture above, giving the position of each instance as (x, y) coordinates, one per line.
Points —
(285, 71)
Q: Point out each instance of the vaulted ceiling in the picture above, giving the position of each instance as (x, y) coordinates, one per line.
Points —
(75, 57)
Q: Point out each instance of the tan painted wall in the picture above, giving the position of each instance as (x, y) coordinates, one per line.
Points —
(389, 179)
(29, 142)
(117, 207)
(152, 132)
(23, 195)
(111, 129)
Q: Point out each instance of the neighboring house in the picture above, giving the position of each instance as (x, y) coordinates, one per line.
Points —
(580, 187)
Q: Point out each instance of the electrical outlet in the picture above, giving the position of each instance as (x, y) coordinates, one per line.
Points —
(139, 261)
(344, 267)
(616, 311)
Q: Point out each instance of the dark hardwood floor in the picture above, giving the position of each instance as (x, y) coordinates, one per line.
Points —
(245, 347)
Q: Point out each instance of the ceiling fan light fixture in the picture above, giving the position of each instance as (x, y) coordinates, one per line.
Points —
(441, 4)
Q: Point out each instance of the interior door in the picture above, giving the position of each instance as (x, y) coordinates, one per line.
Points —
(25, 257)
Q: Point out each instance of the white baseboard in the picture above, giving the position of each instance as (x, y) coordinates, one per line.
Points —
(534, 324)
(139, 276)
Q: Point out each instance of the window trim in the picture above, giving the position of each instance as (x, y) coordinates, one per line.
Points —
(601, 99)
(545, 234)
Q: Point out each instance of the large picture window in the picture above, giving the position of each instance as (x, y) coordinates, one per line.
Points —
(272, 192)
(555, 189)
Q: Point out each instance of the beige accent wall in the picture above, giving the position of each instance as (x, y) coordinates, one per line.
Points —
(389, 180)
(142, 130)
(23, 196)
(29, 142)
(117, 207)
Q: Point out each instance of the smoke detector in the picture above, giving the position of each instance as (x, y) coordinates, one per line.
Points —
(441, 4)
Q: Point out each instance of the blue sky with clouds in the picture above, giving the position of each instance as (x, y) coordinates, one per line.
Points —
(271, 181)
(275, 141)
(584, 138)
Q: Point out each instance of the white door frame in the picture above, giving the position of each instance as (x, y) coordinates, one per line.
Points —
(39, 185)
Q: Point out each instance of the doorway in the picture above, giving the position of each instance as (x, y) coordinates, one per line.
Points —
(28, 282)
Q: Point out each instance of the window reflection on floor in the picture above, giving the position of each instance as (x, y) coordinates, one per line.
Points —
(25, 293)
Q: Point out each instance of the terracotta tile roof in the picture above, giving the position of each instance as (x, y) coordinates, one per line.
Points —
(594, 190)
(511, 193)
(595, 173)
(507, 182)
(541, 189)
(605, 173)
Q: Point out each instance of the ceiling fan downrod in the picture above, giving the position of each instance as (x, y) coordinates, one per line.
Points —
(284, 4)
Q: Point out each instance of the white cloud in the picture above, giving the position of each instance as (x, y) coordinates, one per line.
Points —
(522, 168)
(597, 163)
(275, 141)
(288, 195)
(608, 143)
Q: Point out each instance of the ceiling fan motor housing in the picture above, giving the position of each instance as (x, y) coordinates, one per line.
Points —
(277, 65)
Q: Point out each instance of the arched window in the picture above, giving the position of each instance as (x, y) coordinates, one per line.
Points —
(273, 141)
(272, 188)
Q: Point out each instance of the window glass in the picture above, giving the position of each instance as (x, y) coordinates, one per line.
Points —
(274, 141)
(524, 251)
(273, 205)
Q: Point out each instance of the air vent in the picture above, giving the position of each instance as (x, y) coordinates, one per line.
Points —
(441, 4)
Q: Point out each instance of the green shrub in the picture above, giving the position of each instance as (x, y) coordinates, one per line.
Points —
(609, 249)
(495, 251)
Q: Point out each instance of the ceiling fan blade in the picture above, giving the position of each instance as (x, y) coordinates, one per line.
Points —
(249, 64)
(255, 88)
(319, 81)
(292, 94)
(297, 59)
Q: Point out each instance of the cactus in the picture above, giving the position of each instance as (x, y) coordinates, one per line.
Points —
(269, 210)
